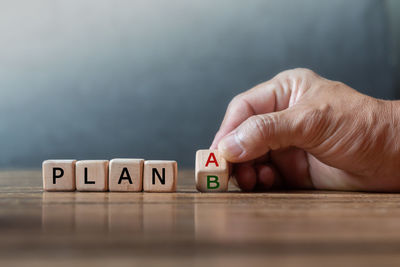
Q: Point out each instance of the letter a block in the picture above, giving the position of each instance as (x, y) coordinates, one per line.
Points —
(126, 175)
(212, 171)
(92, 175)
(160, 176)
(59, 175)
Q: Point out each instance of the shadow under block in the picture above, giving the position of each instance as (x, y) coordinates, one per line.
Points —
(212, 171)
(92, 175)
(126, 175)
(160, 176)
(59, 175)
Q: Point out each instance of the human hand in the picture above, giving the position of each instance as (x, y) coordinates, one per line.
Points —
(302, 131)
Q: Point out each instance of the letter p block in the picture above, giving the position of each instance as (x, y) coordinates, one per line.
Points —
(59, 175)
(212, 171)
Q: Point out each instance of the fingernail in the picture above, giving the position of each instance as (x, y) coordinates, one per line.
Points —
(214, 143)
(230, 146)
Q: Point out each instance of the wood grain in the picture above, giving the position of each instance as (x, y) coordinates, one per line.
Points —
(188, 228)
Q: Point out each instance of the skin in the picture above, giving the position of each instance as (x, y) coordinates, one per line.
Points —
(301, 131)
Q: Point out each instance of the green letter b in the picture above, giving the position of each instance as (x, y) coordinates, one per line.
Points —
(212, 179)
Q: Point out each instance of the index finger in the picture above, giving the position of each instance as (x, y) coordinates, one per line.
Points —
(264, 98)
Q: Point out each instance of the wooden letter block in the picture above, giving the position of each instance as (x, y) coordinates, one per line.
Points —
(126, 175)
(59, 175)
(92, 175)
(160, 176)
(212, 171)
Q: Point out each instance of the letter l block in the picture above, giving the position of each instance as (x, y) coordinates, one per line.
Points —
(92, 175)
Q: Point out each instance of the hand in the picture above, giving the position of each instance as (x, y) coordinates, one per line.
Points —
(302, 131)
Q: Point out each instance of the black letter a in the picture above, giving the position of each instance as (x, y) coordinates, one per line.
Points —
(128, 177)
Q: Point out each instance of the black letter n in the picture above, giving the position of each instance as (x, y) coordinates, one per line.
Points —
(162, 179)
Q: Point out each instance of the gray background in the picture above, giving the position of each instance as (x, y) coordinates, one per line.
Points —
(103, 79)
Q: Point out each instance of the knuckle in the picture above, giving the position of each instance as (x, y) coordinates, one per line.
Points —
(239, 105)
(312, 122)
(299, 72)
(262, 125)
(297, 78)
(235, 101)
(305, 72)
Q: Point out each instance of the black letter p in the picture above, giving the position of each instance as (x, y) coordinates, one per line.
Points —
(55, 176)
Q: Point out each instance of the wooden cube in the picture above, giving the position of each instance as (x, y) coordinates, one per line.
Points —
(160, 176)
(212, 171)
(92, 175)
(126, 175)
(59, 175)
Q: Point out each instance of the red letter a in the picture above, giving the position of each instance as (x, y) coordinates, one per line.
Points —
(212, 159)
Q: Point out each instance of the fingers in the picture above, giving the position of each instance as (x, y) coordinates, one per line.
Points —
(292, 163)
(279, 93)
(264, 98)
(260, 134)
(259, 177)
(266, 176)
(246, 176)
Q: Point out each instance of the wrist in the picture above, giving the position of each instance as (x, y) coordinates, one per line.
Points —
(393, 129)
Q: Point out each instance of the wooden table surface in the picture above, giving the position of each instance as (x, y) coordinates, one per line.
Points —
(194, 229)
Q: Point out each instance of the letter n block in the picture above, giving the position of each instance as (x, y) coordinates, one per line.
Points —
(160, 176)
(126, 175)
(92, 175)
(212, 171)
(59, 175)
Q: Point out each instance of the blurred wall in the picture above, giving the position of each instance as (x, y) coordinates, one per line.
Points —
(393, 10)
(111, 78)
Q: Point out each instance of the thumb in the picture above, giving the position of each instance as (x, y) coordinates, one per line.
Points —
(261, 133)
